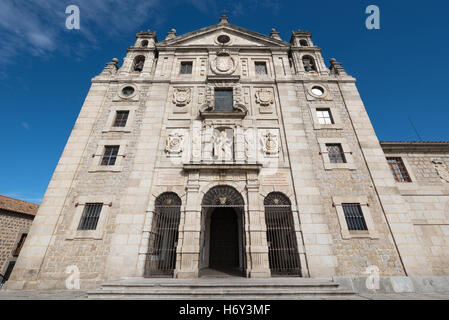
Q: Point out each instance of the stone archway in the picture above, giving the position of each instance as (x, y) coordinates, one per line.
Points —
(222, 236)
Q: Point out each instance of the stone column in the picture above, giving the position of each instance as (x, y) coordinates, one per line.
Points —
(256, 242)
(189, 249)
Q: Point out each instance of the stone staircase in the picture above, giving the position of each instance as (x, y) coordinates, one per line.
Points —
(232, 288)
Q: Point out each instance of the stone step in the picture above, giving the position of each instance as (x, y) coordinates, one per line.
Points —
(233, 288)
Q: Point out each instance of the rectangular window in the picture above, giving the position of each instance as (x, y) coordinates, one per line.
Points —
(336, 154)
(121, 118)
(91, 214)
(354, 217)
(186, 67)
(324, 116)
(224, 100)
(261, 68)
(110, 155)
(20, 245)
(398, 169)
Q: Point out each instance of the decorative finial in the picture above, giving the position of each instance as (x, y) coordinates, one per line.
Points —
(274, 34)
(224, 17)
(171, 34)
(115, 60)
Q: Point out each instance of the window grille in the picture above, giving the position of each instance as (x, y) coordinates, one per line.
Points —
(91, 214)
(336, 154)
(398, 169)
(163, 242)
(261, 68)
(354, 217)
(186, 67)
(121, 118)
(281, 236)
(110, 155)
(20, 244)
(224, 100)
(324, 116)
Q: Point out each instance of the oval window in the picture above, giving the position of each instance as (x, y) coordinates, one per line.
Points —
(318, 91)
(128, 91)
(223, 39)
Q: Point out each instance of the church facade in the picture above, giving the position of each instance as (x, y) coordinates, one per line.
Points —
(228, 152)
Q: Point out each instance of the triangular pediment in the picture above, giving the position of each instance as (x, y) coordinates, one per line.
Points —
(238, 37)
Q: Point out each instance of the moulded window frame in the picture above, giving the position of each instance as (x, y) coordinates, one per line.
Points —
(98, 156)
(337, 125)
(80, 203)
(349, 165)
(407, 166)
(347, 234)
(112, 115)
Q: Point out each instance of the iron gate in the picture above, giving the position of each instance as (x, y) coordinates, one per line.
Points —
(161, 258)
(282, 246)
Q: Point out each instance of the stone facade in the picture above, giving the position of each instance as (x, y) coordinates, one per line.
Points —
(16, 218)
(178, 140)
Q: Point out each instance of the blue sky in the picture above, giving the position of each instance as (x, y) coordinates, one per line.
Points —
(45, 69)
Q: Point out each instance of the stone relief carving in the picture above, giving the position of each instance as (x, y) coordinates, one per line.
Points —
(223, 64)
(174, 143)
(270, 144)
(182, 96)
(264, 97)
(223, 141)
(442, 169)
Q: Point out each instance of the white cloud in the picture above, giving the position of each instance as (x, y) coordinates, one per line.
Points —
(37, 27)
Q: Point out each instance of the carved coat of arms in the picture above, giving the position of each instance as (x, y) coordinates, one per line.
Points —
(182, 96)
(442, 169)
(270, 144)
(223, 64)
(264, 97)
(174, 144)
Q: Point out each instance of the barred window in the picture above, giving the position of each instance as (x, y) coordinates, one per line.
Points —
(336, 154)
(186, 67)
(110, 155)
(224, 100)
(121, 118)
(20, 244)
(91, 214)
(261, 68)
(398, 169)
(354, 217)
(324, 116)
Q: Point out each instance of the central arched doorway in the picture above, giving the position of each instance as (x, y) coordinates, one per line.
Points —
(222, 236)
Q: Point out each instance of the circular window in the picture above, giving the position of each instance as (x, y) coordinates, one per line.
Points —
(318, 91)
(223, 39)
(128, 91)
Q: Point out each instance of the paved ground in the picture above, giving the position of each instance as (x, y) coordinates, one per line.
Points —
(80, 295)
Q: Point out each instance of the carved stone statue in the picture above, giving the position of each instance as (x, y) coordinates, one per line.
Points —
(270, 144)
(222, 146)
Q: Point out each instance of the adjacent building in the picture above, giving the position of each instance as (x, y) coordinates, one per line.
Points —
(226, 151)
(16, 217)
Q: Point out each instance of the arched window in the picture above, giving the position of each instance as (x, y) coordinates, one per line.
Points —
(309, 64)
(139, 62)
(282, 246)
(161, 259)
(303, 43)
(144, 44)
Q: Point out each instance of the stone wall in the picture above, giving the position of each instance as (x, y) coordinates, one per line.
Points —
(12, 226)
(427, 197)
